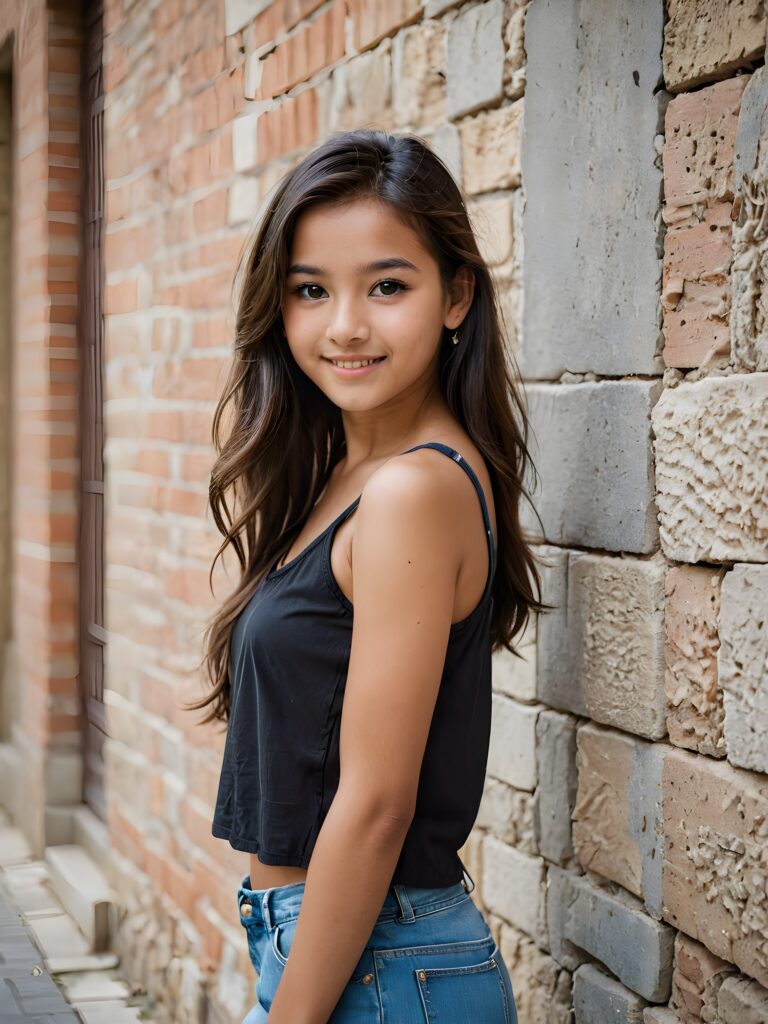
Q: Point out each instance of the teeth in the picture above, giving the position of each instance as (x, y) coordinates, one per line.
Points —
(352, 366)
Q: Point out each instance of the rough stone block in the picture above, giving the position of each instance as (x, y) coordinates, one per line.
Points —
(696, 979)
(696, 291)
(600, 999)
(616, 820)
(490, 149)
(516, 676)
(511, 754)
(556, 792)
(475, 63)
(743, 664)
(742, 1001)
(711, 446)
(508, 814)
(591, 442)
(699, 139)
(493, 220)
(749, 296)
(708, 39)
(361, 90)
(614, 929)
(591, 204)
(601, 651)
(659, 1015)
(418, 87)
(695, 702)
(513, 886)
(715, 874)
(542, 988)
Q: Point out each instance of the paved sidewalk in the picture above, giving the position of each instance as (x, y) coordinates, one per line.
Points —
(47, 973)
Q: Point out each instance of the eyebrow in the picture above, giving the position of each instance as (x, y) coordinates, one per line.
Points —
(393, 263)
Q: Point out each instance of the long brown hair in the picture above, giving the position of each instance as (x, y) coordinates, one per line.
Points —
(284, 436)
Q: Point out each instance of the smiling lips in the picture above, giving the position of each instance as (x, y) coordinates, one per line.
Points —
(355, 367)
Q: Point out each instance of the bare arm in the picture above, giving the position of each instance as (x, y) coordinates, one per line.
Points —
(406, 560)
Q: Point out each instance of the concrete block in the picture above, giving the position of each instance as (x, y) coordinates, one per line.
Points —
(84, 891)
(659, 1015)
(244, 142)
(513, 887)
(711, 447)
(591, 441)
(512, 749)
(556, 792)
(600, 999)
(715, 873)
(475, 64)
(242, 201)
(617, 817)
(601, 651)
(708, 39)
(699, 139)
(418, 87)
(362, 90)
(507, 813)
(694, 699)
(514, 675)
(696, 979)
(696, 291)
(591, 204)
(613, 929)
(749, 302)
(490, 149)
(238, 13)
(743, 664)
(542, 987)
(742, 1001)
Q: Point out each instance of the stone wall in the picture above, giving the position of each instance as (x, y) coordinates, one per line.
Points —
(614, 161)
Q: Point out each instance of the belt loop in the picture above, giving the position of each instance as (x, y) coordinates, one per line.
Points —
(406, 909)
(467, 875)
(265, 910)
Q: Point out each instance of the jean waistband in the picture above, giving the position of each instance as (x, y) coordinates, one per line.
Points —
(282, 903)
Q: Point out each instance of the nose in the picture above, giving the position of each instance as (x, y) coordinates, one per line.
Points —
(345, 323)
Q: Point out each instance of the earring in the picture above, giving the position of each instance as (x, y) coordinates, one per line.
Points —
(456, 338)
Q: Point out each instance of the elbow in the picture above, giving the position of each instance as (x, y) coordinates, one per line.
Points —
(381, 814)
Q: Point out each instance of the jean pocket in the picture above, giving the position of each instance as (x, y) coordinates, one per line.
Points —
(281, 939)
(458, 993)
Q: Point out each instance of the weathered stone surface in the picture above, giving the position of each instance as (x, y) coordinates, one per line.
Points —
(556, 791)
(699, 138)
(361, 90)
(239, 12)
(743, 665)
(490, 149)
(508, 814)
(711, 446)
(696, 291)
(612, 928)
(696, 979)
(516, 676)
(708, 39)
(492, 220)
(418, 87)
(749, 296)
(617, 815)
(659, 1015)
(599, 999)
(475, 58)
(590, 204)
(542, 988)
(601, 651)
(695, 713)
(715, 874)
(591, 442)
(742, 1001)
(511, 754)
(513, 887)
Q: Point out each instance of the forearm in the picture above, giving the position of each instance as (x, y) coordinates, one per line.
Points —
(354, 854)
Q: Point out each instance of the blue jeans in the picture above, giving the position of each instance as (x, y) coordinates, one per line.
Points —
(430, 959)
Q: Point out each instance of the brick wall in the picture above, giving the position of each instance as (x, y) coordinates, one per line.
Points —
(619, 852)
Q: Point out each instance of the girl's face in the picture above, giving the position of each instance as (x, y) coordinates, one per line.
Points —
(360, 285)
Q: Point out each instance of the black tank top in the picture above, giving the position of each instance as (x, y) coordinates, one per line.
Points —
(289, 657)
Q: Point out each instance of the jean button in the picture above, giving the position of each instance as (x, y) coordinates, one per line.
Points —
(367, 979)
(246, 909)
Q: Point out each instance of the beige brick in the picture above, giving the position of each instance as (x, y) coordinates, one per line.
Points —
(508, 814)
(493, 220)
(697, 976)
(708, 39)
(418, 57)
(490, 149)
(715, 874)
(361, 91)
(695, 703)
(742, 1001)
(700, 130)
(513, 887)
(542, 987)
(696, 293)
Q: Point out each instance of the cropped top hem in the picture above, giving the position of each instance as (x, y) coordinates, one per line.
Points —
(251, 846)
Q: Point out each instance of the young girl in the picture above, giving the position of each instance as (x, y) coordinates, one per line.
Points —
(375, 452)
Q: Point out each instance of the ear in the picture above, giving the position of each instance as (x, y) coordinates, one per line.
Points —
(460, 293)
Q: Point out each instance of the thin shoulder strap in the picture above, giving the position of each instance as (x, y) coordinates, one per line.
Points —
(453, 454)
